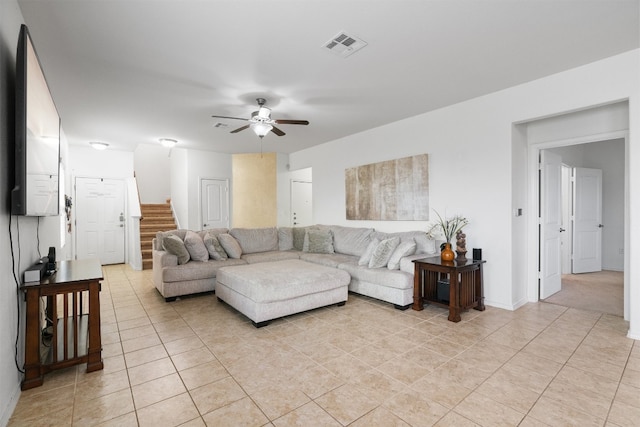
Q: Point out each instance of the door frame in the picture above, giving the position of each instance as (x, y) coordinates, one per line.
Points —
(533, 293)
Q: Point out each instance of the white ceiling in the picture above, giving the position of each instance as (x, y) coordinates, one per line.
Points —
(130, 72)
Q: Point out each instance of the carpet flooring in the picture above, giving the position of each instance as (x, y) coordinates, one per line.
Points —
(602, 291)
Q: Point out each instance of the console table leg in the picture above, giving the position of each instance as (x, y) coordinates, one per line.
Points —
(454, 298)
(418, 286)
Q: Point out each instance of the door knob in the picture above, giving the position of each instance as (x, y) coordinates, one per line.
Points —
(600, 225)
(562, 229)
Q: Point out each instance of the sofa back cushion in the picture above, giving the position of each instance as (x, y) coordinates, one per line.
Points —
(424, 245)
(351, 240)
(254, 240)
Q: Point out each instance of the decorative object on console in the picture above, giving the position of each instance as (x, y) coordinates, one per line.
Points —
(447, 253)
(447, 228)
(394, 190)
(461, 246)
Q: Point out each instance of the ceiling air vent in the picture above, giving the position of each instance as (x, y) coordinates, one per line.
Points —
(344, 45)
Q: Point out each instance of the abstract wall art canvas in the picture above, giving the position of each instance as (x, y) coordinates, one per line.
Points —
(393, 190)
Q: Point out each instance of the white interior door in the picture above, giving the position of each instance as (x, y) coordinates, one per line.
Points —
(100, 219)
(214, 199)
(550, 223)
(587, 220)
(301, 203)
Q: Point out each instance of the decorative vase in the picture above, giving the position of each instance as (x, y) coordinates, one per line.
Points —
(447, 254)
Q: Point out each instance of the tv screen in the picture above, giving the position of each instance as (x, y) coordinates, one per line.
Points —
(37, 143)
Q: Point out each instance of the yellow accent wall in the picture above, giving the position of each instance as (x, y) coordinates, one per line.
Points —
(254, 190)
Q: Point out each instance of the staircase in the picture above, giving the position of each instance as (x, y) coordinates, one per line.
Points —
(155, 217)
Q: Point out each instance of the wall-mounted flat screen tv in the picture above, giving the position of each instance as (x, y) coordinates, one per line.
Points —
(37, 142)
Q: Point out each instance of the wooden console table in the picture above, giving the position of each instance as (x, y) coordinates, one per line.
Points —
(74, 337)
(464, 280)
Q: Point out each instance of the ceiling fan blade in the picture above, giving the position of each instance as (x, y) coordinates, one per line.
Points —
(291, 122)
(239, 129)
(226, 117)
(277, 131)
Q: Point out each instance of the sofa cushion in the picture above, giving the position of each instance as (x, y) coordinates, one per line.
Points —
(351, 240)
(195, 246)
(330, 260)
(254, 240)
(404, 249)
(285, 238)
(270, 256)
(383, 252)
(318, 241)
(281, 281)
(174, 245)
(230, 245)
(196, 270)
(215, 249)
(379, 276)
(366, 256)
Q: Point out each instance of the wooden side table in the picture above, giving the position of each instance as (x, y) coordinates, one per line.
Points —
(463, 278)
(73, 338)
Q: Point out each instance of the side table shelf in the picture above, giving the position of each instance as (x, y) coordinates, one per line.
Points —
(72, 332)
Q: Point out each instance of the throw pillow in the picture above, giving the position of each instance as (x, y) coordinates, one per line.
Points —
(216, 251)
(285, 238)
(195, 246)
(404, 249)
(230, 245)
(319, 242)
(298, 237)
(366, 256)
(174, 245)
(383, 252)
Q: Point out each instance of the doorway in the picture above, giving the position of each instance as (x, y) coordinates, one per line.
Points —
(214, 203)
(100, 220)
(301, 203)
(601, 165)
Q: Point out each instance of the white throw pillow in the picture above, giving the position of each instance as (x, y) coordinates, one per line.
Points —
(366, 256)
(404, 249)
(383, 252)
(195, 246)
(174, 245)
(230, 245)
(216, 251)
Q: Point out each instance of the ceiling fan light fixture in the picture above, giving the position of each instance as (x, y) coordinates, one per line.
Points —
(261, 129)
(99, 145)
(168, 142)
(264, 112)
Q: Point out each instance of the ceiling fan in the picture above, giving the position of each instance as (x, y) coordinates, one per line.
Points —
(262, 123)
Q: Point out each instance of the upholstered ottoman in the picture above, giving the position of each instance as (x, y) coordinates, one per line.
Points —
(267, 291)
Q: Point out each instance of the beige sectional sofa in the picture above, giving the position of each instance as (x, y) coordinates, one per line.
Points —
(350, 249)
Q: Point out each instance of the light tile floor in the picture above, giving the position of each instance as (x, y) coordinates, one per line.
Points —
(197, 362)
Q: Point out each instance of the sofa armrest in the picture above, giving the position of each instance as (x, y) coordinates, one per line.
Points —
(407, 265)
(163, 259)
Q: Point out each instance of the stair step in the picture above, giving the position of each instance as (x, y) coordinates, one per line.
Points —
(147, 264)
(156, 219)
(157, 227)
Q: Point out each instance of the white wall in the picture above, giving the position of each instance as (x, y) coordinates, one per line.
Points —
(473, 159)
(152, 169)
(11, 299)
(188, 167)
